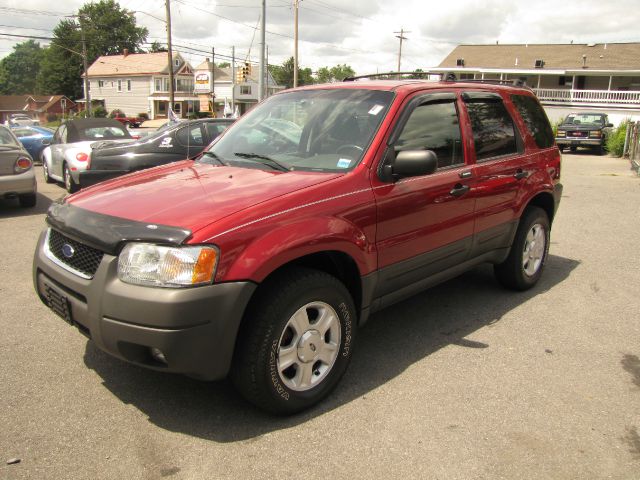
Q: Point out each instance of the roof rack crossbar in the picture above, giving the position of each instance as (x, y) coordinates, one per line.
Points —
(444, 76)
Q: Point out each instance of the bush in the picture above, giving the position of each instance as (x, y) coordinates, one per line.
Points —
(144, 115)
(99, 112)
(615, 142)
(115, 112)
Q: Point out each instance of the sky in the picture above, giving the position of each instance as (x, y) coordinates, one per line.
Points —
(359, 33)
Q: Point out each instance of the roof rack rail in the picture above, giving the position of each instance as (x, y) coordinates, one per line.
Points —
(444, 76)
(516, 82)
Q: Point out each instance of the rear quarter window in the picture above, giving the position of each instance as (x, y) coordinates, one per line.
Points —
(494, 133)
(535, 119)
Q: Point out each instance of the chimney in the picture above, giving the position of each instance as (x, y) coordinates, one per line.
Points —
(125, 52)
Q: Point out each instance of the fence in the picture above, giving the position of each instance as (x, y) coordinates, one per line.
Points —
(588, 97)
(632, 145)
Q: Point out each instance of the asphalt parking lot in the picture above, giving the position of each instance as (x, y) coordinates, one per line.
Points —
(466, 381)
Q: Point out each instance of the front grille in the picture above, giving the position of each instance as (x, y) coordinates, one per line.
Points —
(83, 258)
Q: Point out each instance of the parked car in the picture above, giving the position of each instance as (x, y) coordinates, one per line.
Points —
(168, 144)
(134, 122)
(262, 258)
(21, 120)
(71, 147)
(584, 129)
(17, 179)
(35, 139)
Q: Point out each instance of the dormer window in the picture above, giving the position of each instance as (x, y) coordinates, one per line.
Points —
(460, 62)
(539, 63)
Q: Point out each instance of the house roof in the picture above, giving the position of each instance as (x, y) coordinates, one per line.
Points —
(220, 74)
(132, 64)
(21, 102)
(599, 56)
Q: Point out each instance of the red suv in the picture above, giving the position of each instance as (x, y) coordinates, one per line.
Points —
(322, 205)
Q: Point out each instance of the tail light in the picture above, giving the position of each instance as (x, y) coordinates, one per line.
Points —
(23, 164)
(82, 157)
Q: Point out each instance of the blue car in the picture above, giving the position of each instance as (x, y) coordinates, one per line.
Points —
(32, 138)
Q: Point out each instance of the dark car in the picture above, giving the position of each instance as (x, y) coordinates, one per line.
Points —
(34, 139)
(585, 129)
(169, 144)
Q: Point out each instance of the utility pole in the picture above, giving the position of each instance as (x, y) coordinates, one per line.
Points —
(170, 56)
(266, 73)
(213, 83)
(263, 24)
(295, 43)
(233, 79)
(401, 37)
(87, 94)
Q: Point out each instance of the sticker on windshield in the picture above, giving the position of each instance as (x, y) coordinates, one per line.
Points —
(344, 163)
(166, 143)
(376, 109)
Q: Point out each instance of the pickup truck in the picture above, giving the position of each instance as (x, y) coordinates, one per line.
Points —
(128, 121)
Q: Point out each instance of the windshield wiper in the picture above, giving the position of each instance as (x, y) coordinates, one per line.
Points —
(215, 157)
(271, 162)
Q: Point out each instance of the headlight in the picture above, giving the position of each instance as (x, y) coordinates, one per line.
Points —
(595, 134)
(561, 133)
(160, 266)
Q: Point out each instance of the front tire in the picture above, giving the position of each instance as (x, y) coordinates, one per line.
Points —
(295, 342)
(523, 267)
(69, 184)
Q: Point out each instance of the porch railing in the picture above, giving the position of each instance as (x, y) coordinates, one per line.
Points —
(589, 97)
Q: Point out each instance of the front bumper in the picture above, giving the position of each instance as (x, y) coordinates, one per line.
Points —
(578, 142)
(195, 328)
(18, 184)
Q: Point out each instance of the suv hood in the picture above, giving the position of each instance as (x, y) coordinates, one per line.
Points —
(191, 195)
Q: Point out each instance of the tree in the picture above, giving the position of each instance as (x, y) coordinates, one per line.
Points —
(223, 65)
(283, 74)
(157, 47)
(334, 74)
(19, 69)
(108, 30)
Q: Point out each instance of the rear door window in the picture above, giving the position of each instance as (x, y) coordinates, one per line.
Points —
(190, 135)
(535, 119)
(494, 133)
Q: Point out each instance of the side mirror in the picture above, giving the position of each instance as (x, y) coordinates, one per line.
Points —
(413, 163)
(46, 142)
(609, 125)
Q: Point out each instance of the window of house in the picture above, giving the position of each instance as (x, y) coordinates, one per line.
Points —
(184, 84)
(161, 84)
(494, 133)
(434, 126)
(119, 85)
(100, 83)
(535, 119)
(128, 85)
(245, 89)
(162, 108)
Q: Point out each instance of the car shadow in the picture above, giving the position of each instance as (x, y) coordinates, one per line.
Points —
(12, 208)
(392, 340)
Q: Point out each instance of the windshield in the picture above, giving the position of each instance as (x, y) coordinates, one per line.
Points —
(584, 119)
(318, 130)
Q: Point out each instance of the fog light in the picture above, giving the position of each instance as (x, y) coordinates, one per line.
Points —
(158, 356)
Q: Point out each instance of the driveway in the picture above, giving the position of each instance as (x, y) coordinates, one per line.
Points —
(465, 381)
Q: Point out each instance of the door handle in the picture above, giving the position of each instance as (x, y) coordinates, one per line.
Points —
(465, 174)
(458, 190)
(520, 174)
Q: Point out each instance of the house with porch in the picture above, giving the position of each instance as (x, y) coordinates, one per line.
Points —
(594, 75)
(239, 88)
(138, 83)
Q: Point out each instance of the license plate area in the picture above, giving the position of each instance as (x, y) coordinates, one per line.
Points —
(58, 302)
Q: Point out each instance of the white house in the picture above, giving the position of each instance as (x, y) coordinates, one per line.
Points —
(139, 83)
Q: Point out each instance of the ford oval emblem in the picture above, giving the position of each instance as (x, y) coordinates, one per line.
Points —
(68, 251)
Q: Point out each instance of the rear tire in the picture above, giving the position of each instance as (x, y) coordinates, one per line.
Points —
(27, 200)
(69, 184)
(295, 342)
(45, 172)
(523, 267)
